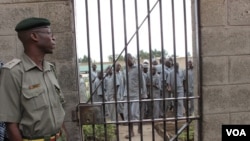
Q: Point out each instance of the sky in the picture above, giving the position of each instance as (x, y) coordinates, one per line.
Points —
(104, 38)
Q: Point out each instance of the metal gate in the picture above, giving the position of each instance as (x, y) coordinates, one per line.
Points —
(136, 78)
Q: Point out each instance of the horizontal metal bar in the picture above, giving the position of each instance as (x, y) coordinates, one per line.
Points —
(148, 100)
(181, 130)
(155, 120)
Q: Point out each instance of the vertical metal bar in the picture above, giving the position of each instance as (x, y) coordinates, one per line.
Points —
(199, 66)
(186, 62)
(162, 48)
(114, 67)
(101, 55)
(126, 51)
(150, 46)
(150, 73)
(77, 60)
(80, 131)
(186, 57)
(139, 69)
(88, 42)
(174, 46)
(164, 82)
(88, 46)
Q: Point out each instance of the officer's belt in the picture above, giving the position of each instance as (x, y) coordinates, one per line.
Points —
(44, 138)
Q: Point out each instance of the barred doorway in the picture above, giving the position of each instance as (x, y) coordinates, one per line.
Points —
(139, 70)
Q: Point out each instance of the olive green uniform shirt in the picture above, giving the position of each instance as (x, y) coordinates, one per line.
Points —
(31, 97)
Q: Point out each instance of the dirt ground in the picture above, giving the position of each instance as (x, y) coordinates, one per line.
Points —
(147, 134)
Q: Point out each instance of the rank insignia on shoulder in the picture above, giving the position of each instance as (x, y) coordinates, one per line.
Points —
(11, 63)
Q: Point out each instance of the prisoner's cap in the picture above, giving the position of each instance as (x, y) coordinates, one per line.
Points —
(145, 61)
(31, 23)
(145, 65)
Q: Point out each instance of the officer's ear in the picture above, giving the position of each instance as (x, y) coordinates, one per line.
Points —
(34, 36)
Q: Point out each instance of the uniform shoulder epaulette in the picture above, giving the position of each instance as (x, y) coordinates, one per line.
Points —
(11, 63)
(52, 67)
(51, 64)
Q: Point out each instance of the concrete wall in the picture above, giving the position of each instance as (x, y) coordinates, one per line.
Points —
(60, 13)
(225, 49)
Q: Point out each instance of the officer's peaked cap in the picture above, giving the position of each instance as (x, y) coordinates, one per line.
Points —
(30, 23)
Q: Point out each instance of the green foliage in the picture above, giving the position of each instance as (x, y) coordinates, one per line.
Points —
(174, 55)
(154, 53)
(110, 58)
(143, 54)
(85, 59)
(183, 135)
(99, 133)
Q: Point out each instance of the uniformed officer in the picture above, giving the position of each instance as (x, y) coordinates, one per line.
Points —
(31, 101)
(3, 132)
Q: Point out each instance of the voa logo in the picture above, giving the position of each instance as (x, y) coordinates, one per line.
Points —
(236, 132)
